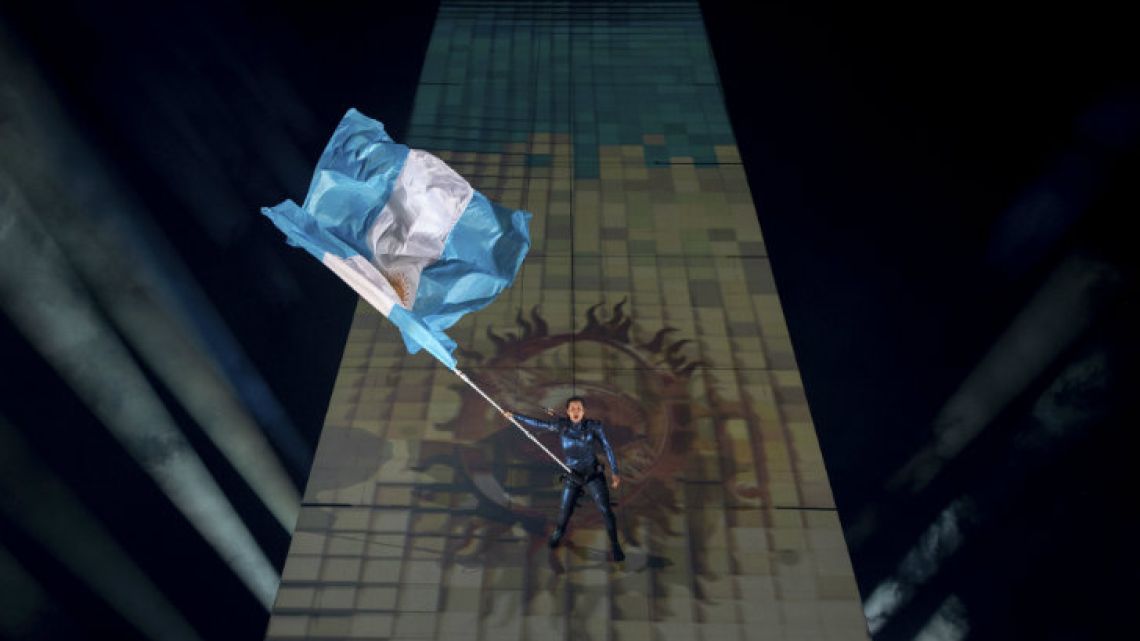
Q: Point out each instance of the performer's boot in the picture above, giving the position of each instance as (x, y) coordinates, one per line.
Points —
(615, 547)
(556, 537)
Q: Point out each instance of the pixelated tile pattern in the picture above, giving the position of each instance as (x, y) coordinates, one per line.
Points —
(648, 291)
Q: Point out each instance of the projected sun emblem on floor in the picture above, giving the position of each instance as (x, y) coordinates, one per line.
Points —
(639, 388)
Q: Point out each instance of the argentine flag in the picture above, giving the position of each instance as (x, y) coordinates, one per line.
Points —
(406, 232)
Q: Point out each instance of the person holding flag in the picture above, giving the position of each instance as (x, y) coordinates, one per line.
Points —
(580, 436)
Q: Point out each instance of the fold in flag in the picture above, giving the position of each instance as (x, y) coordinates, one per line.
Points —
(406, 232)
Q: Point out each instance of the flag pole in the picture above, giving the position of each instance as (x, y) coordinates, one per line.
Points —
(522, 429)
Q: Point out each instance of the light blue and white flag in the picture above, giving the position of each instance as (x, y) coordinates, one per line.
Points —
(406, 232)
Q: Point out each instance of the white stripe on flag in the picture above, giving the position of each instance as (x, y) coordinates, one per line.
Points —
(409, 234)
(363, 277)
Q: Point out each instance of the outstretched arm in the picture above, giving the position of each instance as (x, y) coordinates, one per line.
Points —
(536, 423)
(601, 433)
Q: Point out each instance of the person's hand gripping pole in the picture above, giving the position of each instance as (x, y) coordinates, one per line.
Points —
(514, 422)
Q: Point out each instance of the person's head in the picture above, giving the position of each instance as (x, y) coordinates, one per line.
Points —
(575, 408)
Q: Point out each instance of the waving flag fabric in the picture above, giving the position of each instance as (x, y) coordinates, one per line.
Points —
(405, 231)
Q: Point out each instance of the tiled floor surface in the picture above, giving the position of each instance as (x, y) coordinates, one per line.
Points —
(648, 291)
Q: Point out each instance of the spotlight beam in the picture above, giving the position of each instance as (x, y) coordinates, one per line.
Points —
(25, 602)
(1058, 314)
(941, 539)
(50, 306)
(1059, 416)
(57, 520)
(86, 217)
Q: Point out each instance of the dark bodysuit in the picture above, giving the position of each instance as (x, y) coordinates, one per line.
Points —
(578, 441)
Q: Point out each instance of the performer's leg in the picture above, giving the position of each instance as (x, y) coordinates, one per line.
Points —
(601, 496)
(570, 493)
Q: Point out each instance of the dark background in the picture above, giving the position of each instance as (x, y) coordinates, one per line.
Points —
(919, 172)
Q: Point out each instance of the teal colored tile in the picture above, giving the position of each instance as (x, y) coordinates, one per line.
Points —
(539, 160)
(656, 155)
(705, 156)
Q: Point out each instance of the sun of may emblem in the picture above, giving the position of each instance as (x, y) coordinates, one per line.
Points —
(638, 382)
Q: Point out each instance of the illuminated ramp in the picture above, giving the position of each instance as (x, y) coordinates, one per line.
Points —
(648, 292)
